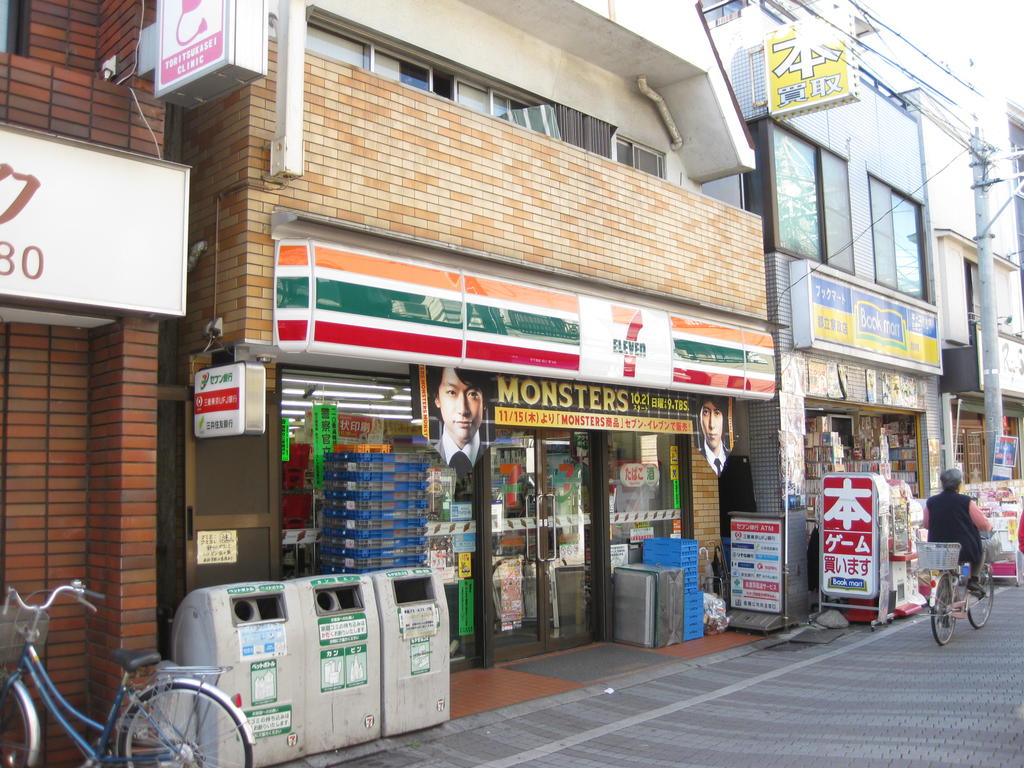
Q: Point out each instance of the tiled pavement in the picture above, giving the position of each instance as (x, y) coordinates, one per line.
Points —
(891, 697)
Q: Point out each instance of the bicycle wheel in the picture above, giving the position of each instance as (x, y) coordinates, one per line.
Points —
(19, 728)
(980, 608)
(182, 722)
(942, 609)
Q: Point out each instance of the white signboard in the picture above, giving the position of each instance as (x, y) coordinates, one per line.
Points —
(624, 343)
(1011, 367)
(756, 564)
(216, 547)
(229, 400)
(98, 228)
(208, 47)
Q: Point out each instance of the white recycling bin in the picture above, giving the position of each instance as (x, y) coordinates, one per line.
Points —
(415, 686)
(342, 668)
(254, 628)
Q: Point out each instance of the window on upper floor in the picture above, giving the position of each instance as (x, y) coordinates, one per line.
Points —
(896, 233)
(812, 201)
(722, 10)
(639, 157)
(1017, 143)
(7, 9)
(471, 90)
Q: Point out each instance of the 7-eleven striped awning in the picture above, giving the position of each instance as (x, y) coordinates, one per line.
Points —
(334, 300)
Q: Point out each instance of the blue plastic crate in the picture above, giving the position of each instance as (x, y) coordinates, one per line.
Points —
(694, 630)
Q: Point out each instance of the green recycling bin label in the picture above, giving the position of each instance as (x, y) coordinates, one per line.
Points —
(343, 668)
(263, 681)
(419, 656)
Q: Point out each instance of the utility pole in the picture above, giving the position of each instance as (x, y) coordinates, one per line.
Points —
(981, 164)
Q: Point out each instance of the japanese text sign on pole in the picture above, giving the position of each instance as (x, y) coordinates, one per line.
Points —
(849, 535)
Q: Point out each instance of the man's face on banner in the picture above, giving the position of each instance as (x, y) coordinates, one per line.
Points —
(711, 424)
(461, 406)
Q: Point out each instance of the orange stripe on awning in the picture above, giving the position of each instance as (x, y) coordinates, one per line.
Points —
(709, 330)
(758, 339)
(373, 266)
(293, 255)
(623, 315)
(523, 294)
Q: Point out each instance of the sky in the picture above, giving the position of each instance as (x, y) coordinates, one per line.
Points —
(978, 40)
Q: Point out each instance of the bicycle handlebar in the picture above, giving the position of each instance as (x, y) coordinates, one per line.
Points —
(77, 586)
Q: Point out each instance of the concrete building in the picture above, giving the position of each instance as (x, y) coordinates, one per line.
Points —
(841, 188)
(512, 190)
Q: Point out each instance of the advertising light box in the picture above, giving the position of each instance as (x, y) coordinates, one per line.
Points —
(228, 400)
(206, 48)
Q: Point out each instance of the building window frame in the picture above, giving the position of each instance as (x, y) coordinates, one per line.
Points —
(639, 156)
(810, 200)
(896, 219)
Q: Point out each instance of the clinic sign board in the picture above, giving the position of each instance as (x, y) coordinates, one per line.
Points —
(808, 68)
(206, 48)
(849, 536)
(228, 400)
(846, 319)
(103, 248)
(1011, 367)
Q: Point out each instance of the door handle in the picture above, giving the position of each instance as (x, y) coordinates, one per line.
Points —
(552, 523)
(188, 523)
(536, 518)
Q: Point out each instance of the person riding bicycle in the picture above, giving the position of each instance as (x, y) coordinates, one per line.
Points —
(953, 517)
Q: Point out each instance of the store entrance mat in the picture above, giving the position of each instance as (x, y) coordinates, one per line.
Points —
(591, 664)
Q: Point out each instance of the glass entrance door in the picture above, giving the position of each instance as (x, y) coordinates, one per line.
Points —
(541, 541)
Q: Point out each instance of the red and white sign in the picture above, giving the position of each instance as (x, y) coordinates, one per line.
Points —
(849, 535)
(756, 564)
(229, 400)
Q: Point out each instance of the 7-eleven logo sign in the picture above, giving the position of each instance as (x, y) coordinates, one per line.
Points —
(629, 321)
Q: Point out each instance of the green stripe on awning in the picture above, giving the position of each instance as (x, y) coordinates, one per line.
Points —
(761, 362)
(292, 292)
(515, 323)
(709, 354)
(393, 305)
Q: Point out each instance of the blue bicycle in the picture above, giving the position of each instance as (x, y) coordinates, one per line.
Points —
(173, 718)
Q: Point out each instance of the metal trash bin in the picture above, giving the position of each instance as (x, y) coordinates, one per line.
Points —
(415, 685)
(342, 661)
(648, 605)
(253, 629)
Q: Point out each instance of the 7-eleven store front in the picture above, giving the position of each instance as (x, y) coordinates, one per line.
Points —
(581, 401)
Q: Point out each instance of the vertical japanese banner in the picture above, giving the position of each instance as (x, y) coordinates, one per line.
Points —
(325, 435)
(849, 535)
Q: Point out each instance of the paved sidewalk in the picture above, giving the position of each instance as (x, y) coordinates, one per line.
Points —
(891, 697)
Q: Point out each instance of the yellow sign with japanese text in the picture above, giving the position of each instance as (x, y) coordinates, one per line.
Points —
(809, 68)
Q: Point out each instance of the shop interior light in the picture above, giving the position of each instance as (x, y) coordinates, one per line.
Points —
(321, 383)
(293, 391)
(340, 393)
(296, 404)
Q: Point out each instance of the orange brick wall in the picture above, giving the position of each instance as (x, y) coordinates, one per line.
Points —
(77, 451)
(388, 157)
(705, 501)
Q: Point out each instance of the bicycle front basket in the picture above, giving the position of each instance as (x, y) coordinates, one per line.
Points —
(13, 624)
(937, 555)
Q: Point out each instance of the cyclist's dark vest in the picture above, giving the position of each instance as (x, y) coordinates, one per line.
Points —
(949, 519)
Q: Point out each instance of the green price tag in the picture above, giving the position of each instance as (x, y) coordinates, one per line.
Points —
(286, 440)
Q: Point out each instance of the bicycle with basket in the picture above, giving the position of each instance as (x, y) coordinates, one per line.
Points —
(175, 716)
(950, 599)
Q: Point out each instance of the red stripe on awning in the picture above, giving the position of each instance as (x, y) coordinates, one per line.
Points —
(377, 338)
(291, 330)
(706, 379)
(539, 358)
